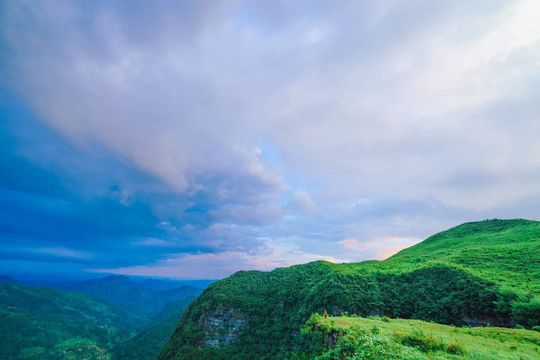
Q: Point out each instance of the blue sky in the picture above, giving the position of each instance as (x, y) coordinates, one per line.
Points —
(194, 139)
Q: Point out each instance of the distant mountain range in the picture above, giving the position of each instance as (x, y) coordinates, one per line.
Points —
(136, 296)
(151, 284)
(146, 297)
(87, 319)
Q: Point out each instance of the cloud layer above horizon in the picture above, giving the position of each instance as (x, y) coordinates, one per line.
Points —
(194, 139)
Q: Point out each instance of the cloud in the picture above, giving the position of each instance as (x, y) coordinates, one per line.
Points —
(380, 248)
(387, 121)
(54, 255)
(182, 110)
(213, 265)
(162, 116)
(349, 243)
(303, 202)
(153, 242)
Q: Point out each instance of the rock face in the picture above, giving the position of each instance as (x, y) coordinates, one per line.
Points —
(223, 326)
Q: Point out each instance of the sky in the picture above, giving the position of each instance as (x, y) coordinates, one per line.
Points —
(193, 139)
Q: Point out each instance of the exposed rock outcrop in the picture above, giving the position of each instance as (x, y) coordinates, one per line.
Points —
(222, 326)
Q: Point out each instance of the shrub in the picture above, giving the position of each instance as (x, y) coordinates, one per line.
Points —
(385, 319)
(455, 348)
(422, 342)
(519, 327)
(536, 328)
(347, 345)
(374, 330)
(374, 348)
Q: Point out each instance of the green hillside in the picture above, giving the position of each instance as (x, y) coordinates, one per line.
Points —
(483, 273)
(503, 251)
(378, 338)
(44, 323)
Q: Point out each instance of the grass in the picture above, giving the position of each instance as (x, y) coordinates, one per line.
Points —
(504, 251)
(457, 342)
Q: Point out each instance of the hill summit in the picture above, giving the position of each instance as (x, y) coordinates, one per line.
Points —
(480, 273)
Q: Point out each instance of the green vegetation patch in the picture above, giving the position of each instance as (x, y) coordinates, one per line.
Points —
(354, 338)
(43, 323)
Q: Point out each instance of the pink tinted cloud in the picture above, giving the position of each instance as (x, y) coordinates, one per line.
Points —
(382, 248)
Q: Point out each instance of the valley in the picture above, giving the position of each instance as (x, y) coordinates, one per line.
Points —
(109, 318)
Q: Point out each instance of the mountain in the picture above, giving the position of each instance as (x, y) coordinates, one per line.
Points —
(139, 297)
(146, 344)
(481, 273)
(504, 251)
(4, 279)
(44, 323)
(155, 284)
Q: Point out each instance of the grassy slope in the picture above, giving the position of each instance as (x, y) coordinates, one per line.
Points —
(504, 251)
(44, 323)
(507, 252)
(474, 343)
(485, 271)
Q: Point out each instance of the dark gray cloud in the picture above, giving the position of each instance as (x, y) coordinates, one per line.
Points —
(171, 135)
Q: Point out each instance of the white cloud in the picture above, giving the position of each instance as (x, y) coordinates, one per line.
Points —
(217, 265)
(303, 202)
(385, 117)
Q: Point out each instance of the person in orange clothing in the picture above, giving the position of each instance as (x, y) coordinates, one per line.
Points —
(325, 313)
